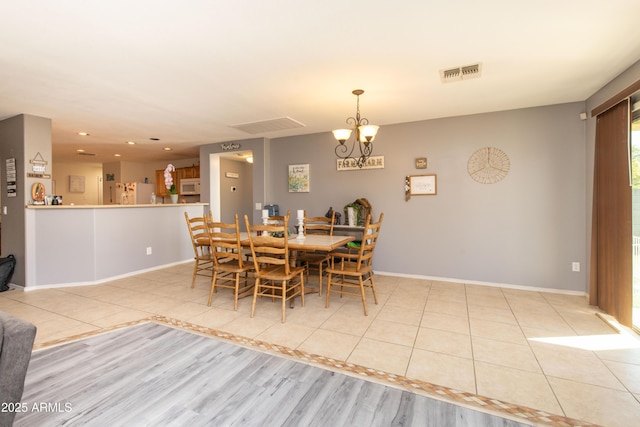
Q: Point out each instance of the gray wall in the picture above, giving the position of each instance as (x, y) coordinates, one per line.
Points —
(239, 201)
(21, 137)
(525, 230)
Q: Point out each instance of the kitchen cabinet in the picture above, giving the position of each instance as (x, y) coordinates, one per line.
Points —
(161, 190)
(188, 172)
(180, 173)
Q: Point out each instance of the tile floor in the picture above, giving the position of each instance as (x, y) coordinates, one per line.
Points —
(540, 350)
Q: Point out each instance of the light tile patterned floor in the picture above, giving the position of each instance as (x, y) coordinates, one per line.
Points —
(548, 352)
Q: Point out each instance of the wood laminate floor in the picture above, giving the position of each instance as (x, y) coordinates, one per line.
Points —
(155, 375)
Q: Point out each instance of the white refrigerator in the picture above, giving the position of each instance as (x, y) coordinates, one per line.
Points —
(133, 193)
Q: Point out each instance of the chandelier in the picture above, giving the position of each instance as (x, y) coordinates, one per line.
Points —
(364, 136)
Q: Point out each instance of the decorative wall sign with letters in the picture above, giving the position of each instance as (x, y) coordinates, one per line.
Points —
(373, 162)
(39, 167)
(421, 162)
(12, 187)
(230, 146)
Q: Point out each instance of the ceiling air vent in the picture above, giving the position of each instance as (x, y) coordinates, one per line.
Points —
(461, 73)
(271, 125)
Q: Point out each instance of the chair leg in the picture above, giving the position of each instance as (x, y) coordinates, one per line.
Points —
(302, 289)
(364, 299)
(195, 272)
(213, 286)
(235, 292)
(328, 291)
(306, 269)
(320, 278)
(373, 288)
(284, 299)
(255, 295)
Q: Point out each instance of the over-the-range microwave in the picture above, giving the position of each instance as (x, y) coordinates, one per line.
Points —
(189, 186)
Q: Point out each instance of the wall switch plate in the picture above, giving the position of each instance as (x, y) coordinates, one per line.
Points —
(258, 206)
(149, 251)
(575, 266)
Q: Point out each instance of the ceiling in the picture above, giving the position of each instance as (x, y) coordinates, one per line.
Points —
(185, 72)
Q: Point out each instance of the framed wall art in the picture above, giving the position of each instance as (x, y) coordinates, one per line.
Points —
(299, 178)
(423, 185)
(421, 162)
(76, 184)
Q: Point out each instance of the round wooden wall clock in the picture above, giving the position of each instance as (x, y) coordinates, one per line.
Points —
(488, 165)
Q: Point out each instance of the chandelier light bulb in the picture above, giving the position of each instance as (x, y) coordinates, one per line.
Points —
(368, 133)
(342, 134)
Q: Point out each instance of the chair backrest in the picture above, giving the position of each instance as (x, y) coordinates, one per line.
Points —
(225, 242)
(369, 239)
(319, 224)
(199, 232)
(269, 244)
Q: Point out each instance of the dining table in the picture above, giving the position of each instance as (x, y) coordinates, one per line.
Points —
(310, 242)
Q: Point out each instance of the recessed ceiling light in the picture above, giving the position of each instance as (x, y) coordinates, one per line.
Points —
(80, 150)
(117, 155)
(83, 134)
(167, 148)
(131, 142)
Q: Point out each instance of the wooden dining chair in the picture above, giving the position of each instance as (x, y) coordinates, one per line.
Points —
(199, 232)
(278, 219)
(316, 260)
(229, 268)
(354, 270)
(275, 277)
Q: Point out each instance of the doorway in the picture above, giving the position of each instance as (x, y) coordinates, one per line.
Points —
(231, 186)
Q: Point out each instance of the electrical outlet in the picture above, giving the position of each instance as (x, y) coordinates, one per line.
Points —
(149, 251)
(575, 266)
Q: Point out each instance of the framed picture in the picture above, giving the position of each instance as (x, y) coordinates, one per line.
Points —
(299, 178)
(76, 184)
(421, 162)
(423, 185)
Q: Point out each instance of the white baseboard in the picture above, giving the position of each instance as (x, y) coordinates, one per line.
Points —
(476, 282)
(382, 273)
(96, 282)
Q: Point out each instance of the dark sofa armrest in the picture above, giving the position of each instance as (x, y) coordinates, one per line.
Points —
(16, 344)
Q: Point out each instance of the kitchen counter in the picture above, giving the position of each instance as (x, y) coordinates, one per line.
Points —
(78, 245)
(157, 205)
